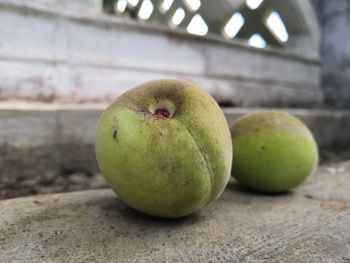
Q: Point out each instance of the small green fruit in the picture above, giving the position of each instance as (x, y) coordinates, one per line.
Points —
(272, 151)
(165, 148)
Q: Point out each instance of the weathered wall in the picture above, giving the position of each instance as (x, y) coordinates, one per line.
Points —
(334, 18)
(50, 54)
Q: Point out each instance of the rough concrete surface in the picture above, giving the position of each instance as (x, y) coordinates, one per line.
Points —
(309, 224)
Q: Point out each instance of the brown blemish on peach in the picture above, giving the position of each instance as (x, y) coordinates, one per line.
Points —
(115, 133)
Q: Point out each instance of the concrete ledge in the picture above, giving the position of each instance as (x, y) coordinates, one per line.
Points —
(330, 127)
(35, 124)
(47, 148)
(310, 224)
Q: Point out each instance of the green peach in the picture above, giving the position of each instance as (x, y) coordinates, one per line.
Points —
(165, 148)
(272, 151)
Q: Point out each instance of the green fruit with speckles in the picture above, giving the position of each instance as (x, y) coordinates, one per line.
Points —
(272, 151)
(165, 148)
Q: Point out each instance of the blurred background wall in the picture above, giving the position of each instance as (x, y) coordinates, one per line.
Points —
(334, 18)
(244, 53)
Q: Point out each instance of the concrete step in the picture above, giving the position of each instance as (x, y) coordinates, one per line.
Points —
(310, 224)
(37, 124)
(47, 148)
